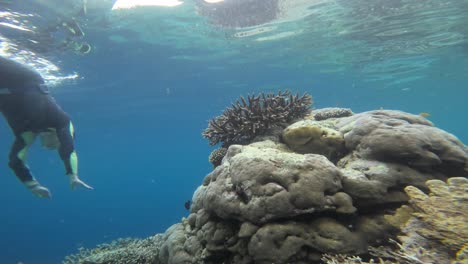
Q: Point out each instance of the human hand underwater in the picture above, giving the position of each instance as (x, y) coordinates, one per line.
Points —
(75, 182)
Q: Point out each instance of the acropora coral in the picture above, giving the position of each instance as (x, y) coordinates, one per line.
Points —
(246, 119)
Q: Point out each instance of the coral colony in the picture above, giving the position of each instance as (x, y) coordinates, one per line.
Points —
(246, 119)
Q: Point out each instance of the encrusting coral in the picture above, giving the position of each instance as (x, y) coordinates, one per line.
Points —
(246, 119)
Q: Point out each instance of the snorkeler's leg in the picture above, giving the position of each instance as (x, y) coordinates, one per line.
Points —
(68, 155)
(17, 163)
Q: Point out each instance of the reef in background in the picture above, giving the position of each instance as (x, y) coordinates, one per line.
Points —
(322, 190)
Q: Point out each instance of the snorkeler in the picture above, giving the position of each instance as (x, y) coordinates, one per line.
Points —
(73, 35)
(30, 111)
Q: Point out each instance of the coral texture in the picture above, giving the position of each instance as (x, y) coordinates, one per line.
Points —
(246, 119)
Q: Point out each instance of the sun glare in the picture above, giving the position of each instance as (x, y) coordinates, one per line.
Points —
(126, 4)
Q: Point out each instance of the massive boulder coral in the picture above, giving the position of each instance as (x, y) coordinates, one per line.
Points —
(373, 182)
(395, 136)
(385, 150)
(323, 187)
(265, 181)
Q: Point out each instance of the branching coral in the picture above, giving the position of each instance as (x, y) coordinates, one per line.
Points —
(246, 119)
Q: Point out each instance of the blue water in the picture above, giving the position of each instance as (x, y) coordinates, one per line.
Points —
(139, 114)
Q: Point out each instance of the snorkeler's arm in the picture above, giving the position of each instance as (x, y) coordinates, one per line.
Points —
(18, 154)
(66, 150)
(17, 163)
(68, 155)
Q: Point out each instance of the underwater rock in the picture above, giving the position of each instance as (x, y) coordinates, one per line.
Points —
(308, 136)
(266, 181)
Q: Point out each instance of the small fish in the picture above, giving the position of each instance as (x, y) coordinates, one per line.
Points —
(187, 204)
(424, 114)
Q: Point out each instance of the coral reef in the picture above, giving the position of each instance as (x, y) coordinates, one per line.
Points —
(246, 119)
(128, 251)
(322, 190)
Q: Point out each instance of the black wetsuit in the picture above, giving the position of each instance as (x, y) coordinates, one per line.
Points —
(27, 107)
